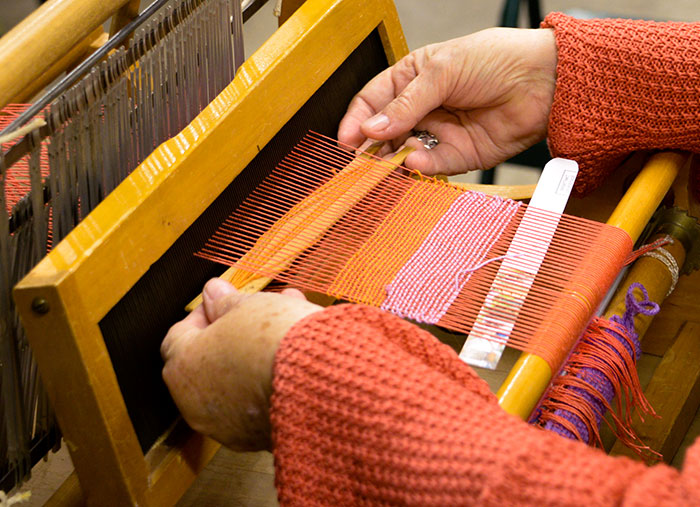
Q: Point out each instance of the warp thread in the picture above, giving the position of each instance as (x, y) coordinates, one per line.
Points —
(602, 367)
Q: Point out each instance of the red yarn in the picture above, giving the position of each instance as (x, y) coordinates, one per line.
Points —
(369, 409)
(623, 86)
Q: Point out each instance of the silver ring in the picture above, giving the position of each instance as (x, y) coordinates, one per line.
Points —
(429, 140)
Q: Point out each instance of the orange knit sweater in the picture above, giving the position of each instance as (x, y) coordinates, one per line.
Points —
(623, 86)
(369, 409)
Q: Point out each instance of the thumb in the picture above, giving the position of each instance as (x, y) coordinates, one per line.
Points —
(416, 100)
(219, 297)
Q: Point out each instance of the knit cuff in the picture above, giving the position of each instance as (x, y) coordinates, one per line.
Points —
(623, 86)
(362, 402)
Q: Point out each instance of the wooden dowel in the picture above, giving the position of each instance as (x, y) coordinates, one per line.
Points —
(656, 279)
(44, 37)
(67, 62)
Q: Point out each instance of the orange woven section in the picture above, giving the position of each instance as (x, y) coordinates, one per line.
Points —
(309, 219)
(563, 324)
(367, 273)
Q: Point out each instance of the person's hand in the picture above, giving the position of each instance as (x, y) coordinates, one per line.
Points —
(218, 361)
(486, 97)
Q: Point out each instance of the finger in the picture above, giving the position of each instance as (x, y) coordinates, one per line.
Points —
(216, 290)
(294, 293)
(461, 148)
(445, 158)
(403, 113)
(195, 321)
(374, 96)
(349, 131)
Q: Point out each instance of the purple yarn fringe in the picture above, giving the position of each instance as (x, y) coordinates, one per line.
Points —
(595, 377)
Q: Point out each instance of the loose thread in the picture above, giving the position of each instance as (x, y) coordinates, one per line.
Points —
(645, 249)
(460, 275)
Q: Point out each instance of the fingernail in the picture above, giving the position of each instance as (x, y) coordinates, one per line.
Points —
(377, 122)
(217, 288)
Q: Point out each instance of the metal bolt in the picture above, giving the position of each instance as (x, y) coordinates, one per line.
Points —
(40, 306)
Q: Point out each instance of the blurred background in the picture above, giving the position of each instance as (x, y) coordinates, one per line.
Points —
(426, 21)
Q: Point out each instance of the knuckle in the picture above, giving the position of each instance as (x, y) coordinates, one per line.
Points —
(403, 103)
(167, 346)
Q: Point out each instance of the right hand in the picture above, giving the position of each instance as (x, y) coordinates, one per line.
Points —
(486, 97)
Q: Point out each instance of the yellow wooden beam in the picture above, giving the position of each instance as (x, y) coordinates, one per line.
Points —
(44, 37)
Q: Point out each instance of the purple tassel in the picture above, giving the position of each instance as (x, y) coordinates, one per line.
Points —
(595, 377)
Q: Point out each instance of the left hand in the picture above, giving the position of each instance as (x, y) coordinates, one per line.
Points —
(218, 361)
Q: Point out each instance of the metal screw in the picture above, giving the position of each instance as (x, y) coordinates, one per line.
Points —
(40, 306)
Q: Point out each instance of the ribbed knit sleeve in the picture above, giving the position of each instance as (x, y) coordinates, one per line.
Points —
(368, 409)
(623, 86)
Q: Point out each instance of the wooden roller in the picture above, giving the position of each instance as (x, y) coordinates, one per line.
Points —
(45, 37)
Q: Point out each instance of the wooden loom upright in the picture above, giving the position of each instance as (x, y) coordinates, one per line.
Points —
(87, 275)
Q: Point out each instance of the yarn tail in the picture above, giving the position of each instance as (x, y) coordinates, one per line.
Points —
(602, 368)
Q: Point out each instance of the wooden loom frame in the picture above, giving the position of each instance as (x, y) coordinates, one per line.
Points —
(87, 274)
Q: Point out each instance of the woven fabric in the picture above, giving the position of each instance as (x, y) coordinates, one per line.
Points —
(426, 286)
(371, 268)
(623, 86)
(368, 409)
